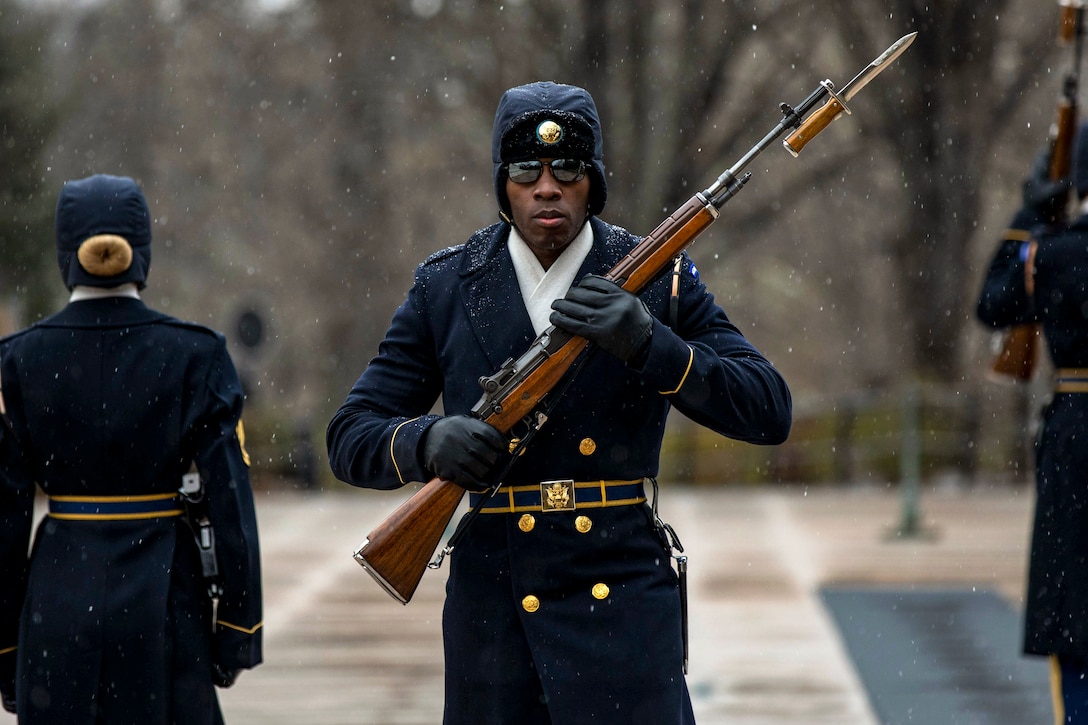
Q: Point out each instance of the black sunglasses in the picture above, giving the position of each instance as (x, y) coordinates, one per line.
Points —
(564, 170)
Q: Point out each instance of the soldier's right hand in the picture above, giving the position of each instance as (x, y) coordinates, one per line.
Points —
(7, 681)
(462, 449)
(1043, 195)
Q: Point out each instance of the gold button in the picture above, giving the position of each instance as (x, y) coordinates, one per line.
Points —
(600, 591)
(526, 523)
(531, 603)
(583, 524)
(587, 446)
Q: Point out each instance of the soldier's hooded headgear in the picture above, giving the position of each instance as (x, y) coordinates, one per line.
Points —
(103, 229)
(551, 121)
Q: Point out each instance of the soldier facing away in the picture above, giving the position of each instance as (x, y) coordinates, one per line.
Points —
(136, 601)
(1039, 275)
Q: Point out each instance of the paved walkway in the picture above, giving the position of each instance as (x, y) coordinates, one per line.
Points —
(764, 651)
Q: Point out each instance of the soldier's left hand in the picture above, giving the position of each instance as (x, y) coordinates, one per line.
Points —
(607, 315)
(7, 681)
(223, 677)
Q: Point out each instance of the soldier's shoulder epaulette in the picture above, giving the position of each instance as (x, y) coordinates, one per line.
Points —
(475, 247)
(618, 241)
(196, 327)
(33, 327)
(1017, 235)
(15, 335)
(442, 254)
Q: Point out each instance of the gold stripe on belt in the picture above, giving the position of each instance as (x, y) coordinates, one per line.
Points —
(1071, 380)
(562, 495)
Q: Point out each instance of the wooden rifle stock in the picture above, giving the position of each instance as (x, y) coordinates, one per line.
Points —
(1015, 361)
(397, 551)
(1065, 136)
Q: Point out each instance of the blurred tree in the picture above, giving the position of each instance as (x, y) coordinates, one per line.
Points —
(857, 268)
(970, 69)
(300, 163)
(684, 88)
(27, 117)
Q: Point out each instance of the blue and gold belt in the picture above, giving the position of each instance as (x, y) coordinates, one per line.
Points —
(114, 508)
(1071, 380)
(561, 495)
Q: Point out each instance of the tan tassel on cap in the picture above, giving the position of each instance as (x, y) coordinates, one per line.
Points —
(105, 255)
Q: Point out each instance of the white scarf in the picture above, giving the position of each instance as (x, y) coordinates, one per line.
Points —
(540, 287)
(86, 292)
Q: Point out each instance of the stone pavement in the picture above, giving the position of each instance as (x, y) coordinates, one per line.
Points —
(764, 651)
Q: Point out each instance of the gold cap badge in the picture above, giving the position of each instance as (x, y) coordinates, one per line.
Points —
(549, 132)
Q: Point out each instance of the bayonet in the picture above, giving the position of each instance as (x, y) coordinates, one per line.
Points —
(836, 105)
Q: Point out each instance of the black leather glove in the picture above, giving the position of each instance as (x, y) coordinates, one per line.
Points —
(462, 449)
(7, 681)
(1044, 196)
(223, 677)
(607, 315)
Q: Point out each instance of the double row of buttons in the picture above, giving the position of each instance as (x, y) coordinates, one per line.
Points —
(582, 524)
(531, 603)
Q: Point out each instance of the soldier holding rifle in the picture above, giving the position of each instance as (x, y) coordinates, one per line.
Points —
(562, 605)
(1040, 275)
(1038, 282)
(137, 600)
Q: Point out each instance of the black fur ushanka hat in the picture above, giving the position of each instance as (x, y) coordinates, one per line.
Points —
(522, 132)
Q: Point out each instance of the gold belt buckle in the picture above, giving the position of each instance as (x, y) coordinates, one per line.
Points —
(557, 495)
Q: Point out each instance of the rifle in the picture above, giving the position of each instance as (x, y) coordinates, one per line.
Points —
(396, 553)
(1015, 360)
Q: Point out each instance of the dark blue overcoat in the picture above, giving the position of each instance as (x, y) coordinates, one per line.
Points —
(109, 620)
(602, 642)
(1056, 606)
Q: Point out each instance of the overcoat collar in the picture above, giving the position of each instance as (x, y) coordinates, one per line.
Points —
(105, 312)
(492, 298)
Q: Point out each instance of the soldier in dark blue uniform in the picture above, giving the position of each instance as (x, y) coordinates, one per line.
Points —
(1040, 275)
(106, 406)
(562, 605)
